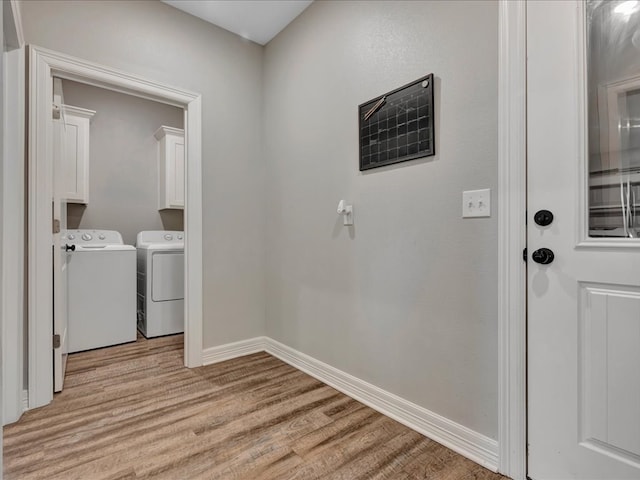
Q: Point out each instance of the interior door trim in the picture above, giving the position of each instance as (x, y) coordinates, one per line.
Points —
(12, 215)
(512, 189)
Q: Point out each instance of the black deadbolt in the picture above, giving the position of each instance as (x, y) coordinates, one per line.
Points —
(543, 217)
(543, 256)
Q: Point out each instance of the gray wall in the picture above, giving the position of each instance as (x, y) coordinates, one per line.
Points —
(407, 298)
(123, 166)
(159, 42)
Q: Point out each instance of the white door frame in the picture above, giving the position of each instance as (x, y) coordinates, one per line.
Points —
(43, 64)
(512, 190)
(12, 214)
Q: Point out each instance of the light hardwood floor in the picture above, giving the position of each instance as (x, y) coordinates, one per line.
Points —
(133, 411)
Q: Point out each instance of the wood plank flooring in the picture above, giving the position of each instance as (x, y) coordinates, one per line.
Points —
(134, 412)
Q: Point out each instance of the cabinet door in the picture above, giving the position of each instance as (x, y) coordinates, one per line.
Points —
(171, 167)
(75, 179)
(175, 173)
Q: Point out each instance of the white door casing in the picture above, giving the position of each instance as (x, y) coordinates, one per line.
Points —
(59, 212)
(2, 158)
(512, 239)
(13, 213)
(584, 307)
(43, 65)
(13, 237)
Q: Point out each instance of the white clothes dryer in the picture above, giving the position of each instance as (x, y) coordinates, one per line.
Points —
(101, 290)
(160, 265)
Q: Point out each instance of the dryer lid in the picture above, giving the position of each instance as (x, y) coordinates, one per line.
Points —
(153, 238)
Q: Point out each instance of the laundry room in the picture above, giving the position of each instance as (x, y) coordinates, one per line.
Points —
(121, 175)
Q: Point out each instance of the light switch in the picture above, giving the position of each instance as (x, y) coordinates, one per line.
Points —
(476, 203)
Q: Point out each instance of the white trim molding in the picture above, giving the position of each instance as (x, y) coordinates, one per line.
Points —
(43, 65)
(233, 350)
(466, 442)
(512, 188)
(13, 237)
(12, 213)
(193, 237)
(13, 33)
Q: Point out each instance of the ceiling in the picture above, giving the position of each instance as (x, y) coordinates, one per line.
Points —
(256, 20)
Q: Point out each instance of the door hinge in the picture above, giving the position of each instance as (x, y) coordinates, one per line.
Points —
(56, 225)
(55, 112)
(56, 341)
(524, 255)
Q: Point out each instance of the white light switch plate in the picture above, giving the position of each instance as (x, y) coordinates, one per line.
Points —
(476, 203)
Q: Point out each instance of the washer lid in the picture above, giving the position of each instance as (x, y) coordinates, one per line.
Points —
(104, 248)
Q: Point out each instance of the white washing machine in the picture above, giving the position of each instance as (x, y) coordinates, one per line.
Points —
(101, 289)
(160, 282)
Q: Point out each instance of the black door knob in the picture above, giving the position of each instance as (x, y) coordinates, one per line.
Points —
(543, 217)
(543, 256)
(68, 247)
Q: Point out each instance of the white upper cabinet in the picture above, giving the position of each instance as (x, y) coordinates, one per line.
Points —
(75, 178)
(170, 167)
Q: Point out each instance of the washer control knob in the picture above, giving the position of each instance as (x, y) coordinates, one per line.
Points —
(71, 236)
(180, 237)
(86, 237)
(101, 236)
(168, 236)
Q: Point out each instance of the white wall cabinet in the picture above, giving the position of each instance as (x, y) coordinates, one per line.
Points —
(170, 168)
(75, 175)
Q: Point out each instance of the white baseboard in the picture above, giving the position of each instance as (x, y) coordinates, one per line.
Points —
(466, 442)
(233, 350)
(25, 400)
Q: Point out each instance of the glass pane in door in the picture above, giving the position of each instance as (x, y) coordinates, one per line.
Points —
(613, 83)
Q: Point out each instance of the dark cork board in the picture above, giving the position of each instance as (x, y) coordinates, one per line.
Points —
(398, 126)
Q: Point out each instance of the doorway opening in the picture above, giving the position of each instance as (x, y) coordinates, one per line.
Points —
(118, 194)
(44, 65)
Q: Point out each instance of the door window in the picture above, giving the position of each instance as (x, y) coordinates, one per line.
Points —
(613, 103)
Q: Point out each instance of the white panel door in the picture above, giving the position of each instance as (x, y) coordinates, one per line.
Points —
(584, 306)
(60, 273)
